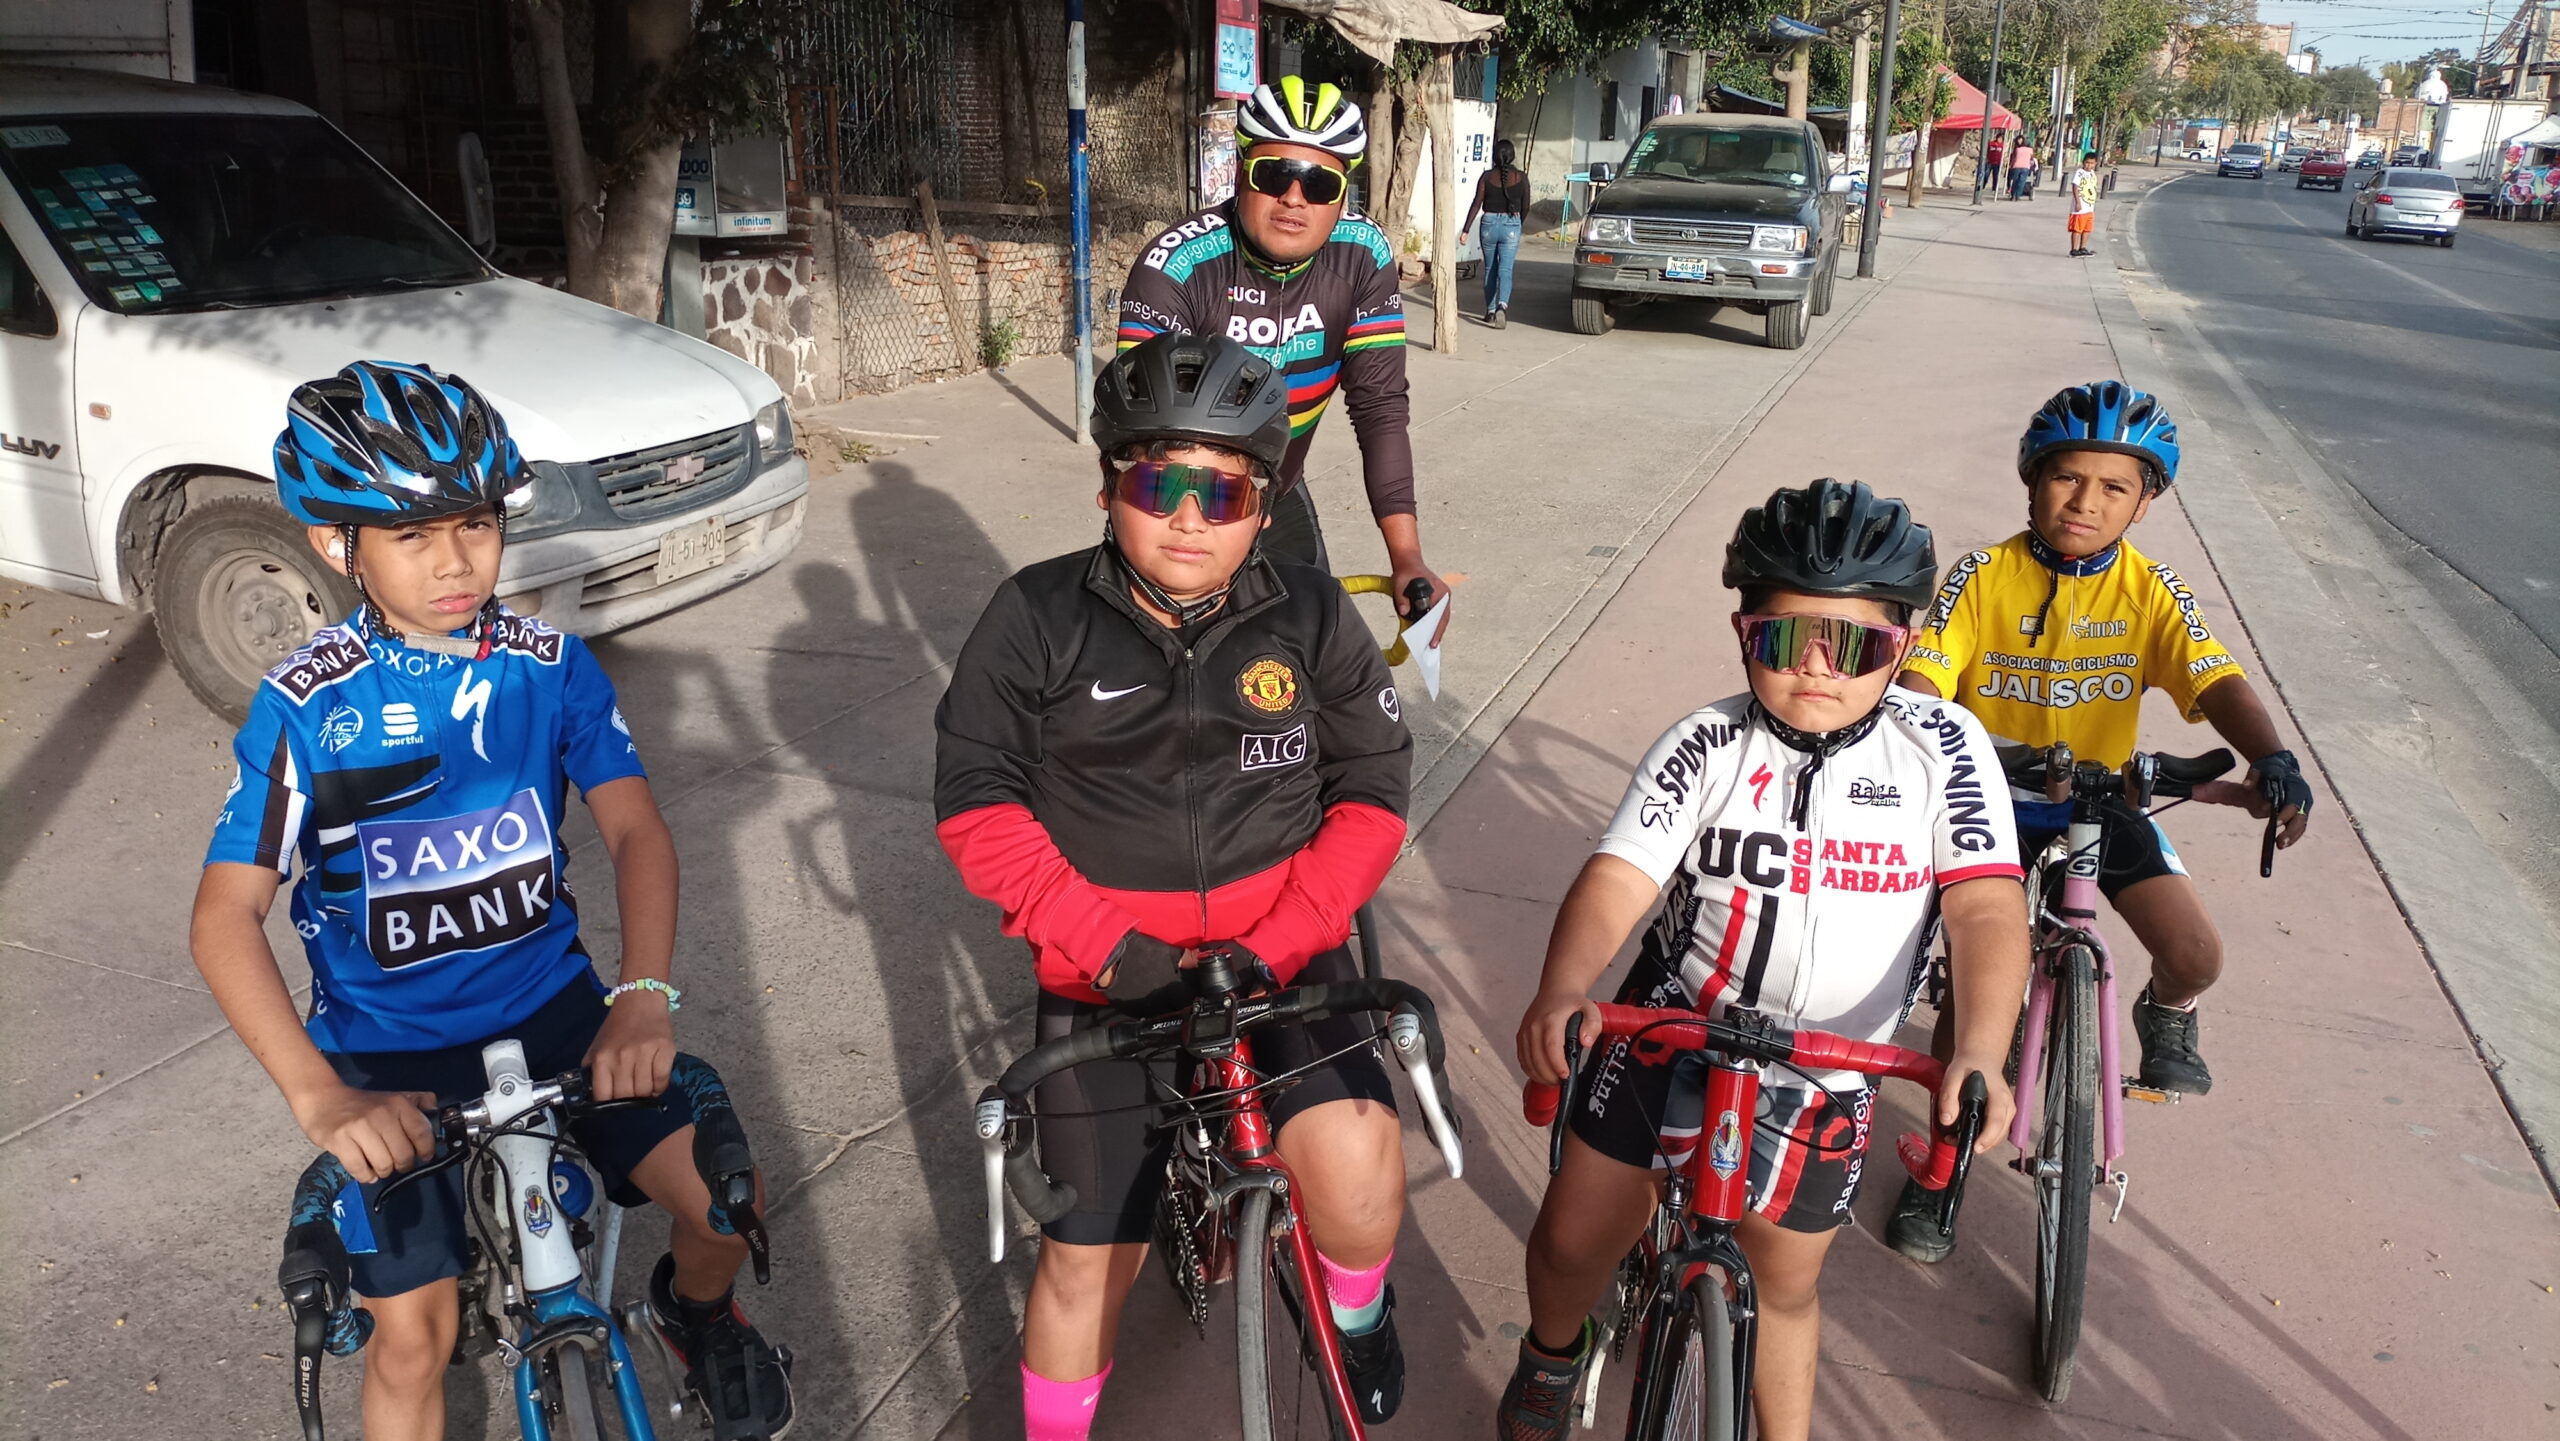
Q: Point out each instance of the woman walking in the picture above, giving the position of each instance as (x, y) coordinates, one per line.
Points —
(1502, 198)
(2022, 170)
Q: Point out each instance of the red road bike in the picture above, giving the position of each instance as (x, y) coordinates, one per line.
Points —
(1684, 1292)
(1229, 1210)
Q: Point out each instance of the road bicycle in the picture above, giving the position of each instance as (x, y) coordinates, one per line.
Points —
(1684, 1291)
(538, 1286)
(1229, 1211)
(2069, 1130)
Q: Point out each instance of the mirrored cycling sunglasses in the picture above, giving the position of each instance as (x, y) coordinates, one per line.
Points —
(1850, 648)
(1274, 174)
(1158, 486)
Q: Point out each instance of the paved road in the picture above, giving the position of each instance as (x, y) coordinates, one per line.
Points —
(2425, 378)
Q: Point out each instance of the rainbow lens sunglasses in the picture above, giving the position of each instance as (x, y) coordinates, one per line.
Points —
(1850, 648)
(1158, 486)
(1274, 174)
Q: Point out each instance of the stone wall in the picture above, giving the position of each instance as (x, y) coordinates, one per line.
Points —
(763, 309)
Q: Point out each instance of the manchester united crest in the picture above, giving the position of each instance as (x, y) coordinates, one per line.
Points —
(1269, 686)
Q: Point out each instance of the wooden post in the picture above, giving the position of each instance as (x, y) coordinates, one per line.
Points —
(967, 354)
(1799, 78)
(1445, 215)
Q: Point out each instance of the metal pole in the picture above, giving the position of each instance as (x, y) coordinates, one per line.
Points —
(1990, 97)
(1878, 132)
(1080, 208)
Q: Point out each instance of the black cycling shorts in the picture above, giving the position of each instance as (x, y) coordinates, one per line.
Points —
(1117, 1161)
(2131, 847)
(422, 1231)
(1646, 1106)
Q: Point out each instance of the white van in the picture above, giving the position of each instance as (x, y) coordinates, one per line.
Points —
(174, 259)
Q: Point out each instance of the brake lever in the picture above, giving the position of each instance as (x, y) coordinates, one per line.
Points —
(2267, 848)
(1405, 1035)
(733, 1198)
(991, 1129)
(1564, 1093)
(1973, 1100)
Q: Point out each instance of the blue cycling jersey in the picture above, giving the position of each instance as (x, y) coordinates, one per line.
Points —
(423, 794)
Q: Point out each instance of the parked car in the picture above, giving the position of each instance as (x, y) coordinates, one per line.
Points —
(2368, 160)
(174, 259)
(1727, 209)
(2199, 152)
(2409, 155)
(2246, 158)
(2292, 158)
(2425, 203)
(2325, 169)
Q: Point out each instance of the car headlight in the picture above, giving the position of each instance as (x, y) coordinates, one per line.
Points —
(1606, 230)
(773, 427)
(1788, 239)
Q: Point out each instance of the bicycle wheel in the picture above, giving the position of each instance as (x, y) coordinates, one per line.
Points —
(1696, 1394)
(569, 1396)
(1253, 1338)
(2066, 1167)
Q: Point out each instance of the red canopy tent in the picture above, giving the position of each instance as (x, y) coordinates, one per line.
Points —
(1967, 111)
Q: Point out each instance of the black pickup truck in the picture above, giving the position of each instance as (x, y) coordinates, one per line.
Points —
(1727, 209)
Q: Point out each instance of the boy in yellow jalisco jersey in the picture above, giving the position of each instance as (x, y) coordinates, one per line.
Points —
(2053, 635)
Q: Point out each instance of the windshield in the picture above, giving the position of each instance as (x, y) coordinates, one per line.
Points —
(2246, 148)
(159, 213)
(1700, 152)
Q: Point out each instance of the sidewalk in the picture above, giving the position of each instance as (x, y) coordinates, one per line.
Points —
(2284, 1296)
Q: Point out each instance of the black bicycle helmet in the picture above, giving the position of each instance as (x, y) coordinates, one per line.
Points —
(1834, 537)
(1203, 388)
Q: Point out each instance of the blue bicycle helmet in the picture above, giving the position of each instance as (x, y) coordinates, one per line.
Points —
(2109, 415)
(382, 442)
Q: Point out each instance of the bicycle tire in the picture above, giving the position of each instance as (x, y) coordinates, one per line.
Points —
(571, 1392)
(1253, 1338)
(2066, 1152)
(1698, 1399)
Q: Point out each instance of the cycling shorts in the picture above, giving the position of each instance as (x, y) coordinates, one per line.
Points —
(1116, 1160)
(2131, 847)
(422, 1231)
(1807, 1156)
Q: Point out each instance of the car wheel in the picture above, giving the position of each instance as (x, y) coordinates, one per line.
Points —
(2445, 240)
(1591, 314)
(1786, 325)
(1820, 299)
(239, 589)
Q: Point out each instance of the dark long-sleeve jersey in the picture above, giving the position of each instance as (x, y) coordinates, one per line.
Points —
(1095, 772)
(1333, 322)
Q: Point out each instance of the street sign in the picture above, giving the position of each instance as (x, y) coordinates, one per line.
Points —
(1239, 48)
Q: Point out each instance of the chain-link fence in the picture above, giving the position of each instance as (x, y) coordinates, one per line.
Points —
(929, 140)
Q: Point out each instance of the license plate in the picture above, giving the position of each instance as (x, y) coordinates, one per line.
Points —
(1687, 269)
(691, 548)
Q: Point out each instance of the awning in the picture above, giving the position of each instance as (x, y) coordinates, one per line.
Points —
(1967, 111)
(1374, 26)
(2545, 134)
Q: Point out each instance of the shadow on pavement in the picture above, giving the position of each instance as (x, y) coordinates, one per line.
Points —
(38, 785)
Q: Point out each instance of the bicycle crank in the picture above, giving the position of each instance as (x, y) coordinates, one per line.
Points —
(2124, 1185)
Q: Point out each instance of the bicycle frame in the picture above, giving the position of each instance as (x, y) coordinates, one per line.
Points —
(2075, 923)
(1708, 1196)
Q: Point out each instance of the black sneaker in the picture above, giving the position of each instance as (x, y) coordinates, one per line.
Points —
(1374, 1362)
(2170, 1061)
(1914, 1228)
(743, 1384)
(1538, 1404)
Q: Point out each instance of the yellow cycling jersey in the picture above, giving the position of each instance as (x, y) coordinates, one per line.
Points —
(2045, 652)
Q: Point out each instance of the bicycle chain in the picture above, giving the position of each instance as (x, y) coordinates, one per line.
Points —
(1178, 1217)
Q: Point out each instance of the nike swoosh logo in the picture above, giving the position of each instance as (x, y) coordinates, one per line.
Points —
(1100, 694)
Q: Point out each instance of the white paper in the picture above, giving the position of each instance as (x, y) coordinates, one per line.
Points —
(1426, 652)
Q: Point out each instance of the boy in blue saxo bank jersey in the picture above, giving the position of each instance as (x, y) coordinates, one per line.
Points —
(413, 761)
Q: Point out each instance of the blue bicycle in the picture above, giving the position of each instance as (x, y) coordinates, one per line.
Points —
(539, 1286)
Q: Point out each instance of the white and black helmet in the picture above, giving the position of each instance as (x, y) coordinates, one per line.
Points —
(1294, 113)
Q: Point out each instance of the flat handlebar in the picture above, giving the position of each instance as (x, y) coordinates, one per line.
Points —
(2144, 777)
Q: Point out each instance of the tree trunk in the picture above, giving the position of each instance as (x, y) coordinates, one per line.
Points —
(1409, 133)
(1440, 86)
(581, 221)
(1382, 139)
(640, 198)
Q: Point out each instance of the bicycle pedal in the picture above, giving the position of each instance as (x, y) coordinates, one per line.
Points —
(2150, 1095)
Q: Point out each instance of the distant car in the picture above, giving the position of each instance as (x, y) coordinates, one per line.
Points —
(2199, 152)
(2326, 169)
(2292, 158)
(2403, 201)
(2368, 160)
(2246, 158)
(2409, 155)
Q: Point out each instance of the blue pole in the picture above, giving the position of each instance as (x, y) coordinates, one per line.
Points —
(1080, 207)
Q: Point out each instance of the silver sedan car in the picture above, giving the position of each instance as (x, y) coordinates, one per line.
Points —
(2400, 201)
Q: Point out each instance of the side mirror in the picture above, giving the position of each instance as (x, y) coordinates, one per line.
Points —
(1602, 172)
(1839, 185)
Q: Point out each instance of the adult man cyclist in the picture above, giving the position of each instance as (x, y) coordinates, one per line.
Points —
(2052, 636)
(1287, 270)
(414, 760)
(1167, 743)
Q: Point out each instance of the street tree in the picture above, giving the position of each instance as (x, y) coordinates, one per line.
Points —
(2348, 90)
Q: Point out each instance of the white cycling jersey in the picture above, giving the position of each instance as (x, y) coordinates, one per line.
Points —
(1816, 914)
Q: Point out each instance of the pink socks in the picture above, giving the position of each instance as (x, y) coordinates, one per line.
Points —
(1358, 1297)
(1059, 1410)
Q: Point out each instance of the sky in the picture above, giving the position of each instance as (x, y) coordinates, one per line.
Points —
(2371, 32)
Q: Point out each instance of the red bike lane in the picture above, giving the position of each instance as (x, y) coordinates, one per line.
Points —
(2346, 1239)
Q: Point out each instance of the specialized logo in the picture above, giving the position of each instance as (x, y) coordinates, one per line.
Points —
(339, 729)
(1724, 1149)
(471, 702)
(1269, 686)
(1100, 694)
(1760, 788)
(333, 655)
(456, 883)
(537, 1212)
(1394, 708)
(1262, 753)
(1864, 792)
